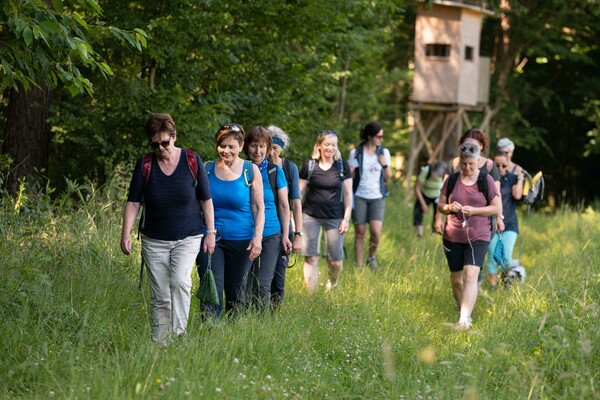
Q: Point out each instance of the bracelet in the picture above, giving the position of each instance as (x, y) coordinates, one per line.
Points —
(211, 231)
(384, 166)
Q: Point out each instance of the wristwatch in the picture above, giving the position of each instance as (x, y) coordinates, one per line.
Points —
(298, 234)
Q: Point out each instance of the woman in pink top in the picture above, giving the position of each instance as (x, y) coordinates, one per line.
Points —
(467, 199)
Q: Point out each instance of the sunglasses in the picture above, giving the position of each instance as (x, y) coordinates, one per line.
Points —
(379, 136)
(325, 133)
(164, 143)
(230, 127)
(473, 148)
(501, 165)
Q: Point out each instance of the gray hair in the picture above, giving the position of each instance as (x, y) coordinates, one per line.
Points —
(277, 132)
(506, 142)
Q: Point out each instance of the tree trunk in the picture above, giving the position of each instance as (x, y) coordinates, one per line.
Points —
(27, 134)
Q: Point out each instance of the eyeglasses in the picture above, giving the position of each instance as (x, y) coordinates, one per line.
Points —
(164, 143)
(230, 127)
(325, 133)
(501, 165)
(473, 148)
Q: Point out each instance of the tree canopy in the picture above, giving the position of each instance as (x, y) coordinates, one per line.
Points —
(304, 65)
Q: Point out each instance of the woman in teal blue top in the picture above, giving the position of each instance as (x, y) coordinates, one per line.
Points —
(237, 190)
(257, 146)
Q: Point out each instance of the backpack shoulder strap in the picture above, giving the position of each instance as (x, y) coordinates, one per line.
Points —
(341, 169)
(482, 185)
(209, 167)
(428, 166)
(311, 168)
(272, 174)
(192, 165)
(451, 183)
(287, 171)
(248, 172)
(146, 166)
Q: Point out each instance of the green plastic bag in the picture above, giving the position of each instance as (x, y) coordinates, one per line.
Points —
(207, 292)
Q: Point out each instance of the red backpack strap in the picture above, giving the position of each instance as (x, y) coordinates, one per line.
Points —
(192, 164)
(146, 165)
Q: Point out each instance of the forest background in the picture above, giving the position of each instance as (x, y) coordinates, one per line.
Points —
(79, 78)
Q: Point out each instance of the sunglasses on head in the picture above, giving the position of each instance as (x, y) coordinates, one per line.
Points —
(164, 143)
(473, 148)
(231, 127)
(325, 133)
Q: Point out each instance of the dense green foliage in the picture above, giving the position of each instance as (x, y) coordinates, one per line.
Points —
(76, 326)
(302, 64)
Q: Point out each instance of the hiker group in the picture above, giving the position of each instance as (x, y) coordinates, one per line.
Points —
(239, 219)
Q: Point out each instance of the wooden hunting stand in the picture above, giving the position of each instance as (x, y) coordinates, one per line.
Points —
(451, 80)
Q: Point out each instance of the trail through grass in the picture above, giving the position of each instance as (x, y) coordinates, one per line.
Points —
(74, 324)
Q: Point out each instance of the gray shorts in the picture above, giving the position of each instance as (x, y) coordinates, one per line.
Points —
(366, 210)
(312, 237)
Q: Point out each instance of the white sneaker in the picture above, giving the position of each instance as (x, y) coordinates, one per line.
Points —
(330, 286)
(464, 324)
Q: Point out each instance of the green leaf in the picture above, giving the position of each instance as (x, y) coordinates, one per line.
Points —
(141, 39)
(74, 89)
(50, 26)
(57, 5)
(27, 36)
(80, 20)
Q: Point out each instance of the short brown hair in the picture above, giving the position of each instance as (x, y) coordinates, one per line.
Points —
(159, 123)
(258, 134)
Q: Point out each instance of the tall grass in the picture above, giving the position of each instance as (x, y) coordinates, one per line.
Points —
(74, 324)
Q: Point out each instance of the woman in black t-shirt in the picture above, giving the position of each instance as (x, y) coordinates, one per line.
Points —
(326, 186)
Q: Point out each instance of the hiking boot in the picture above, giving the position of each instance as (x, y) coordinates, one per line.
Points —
(372, 261)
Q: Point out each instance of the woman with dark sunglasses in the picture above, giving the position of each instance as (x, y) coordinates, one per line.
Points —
(237, 191)
(171, 185)
(326, 186)
(511, 190)
(257, 146)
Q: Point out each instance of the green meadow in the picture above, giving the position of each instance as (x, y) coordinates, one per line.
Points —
(75, 326)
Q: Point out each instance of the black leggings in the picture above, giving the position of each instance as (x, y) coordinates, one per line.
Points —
(230, 264)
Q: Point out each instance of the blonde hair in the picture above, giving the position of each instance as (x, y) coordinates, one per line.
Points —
(316, 154)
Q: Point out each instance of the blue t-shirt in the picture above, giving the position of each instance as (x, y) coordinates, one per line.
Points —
(509, 204)
(172, 209)
(272, 224)
(294, 187)
(233, 206)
